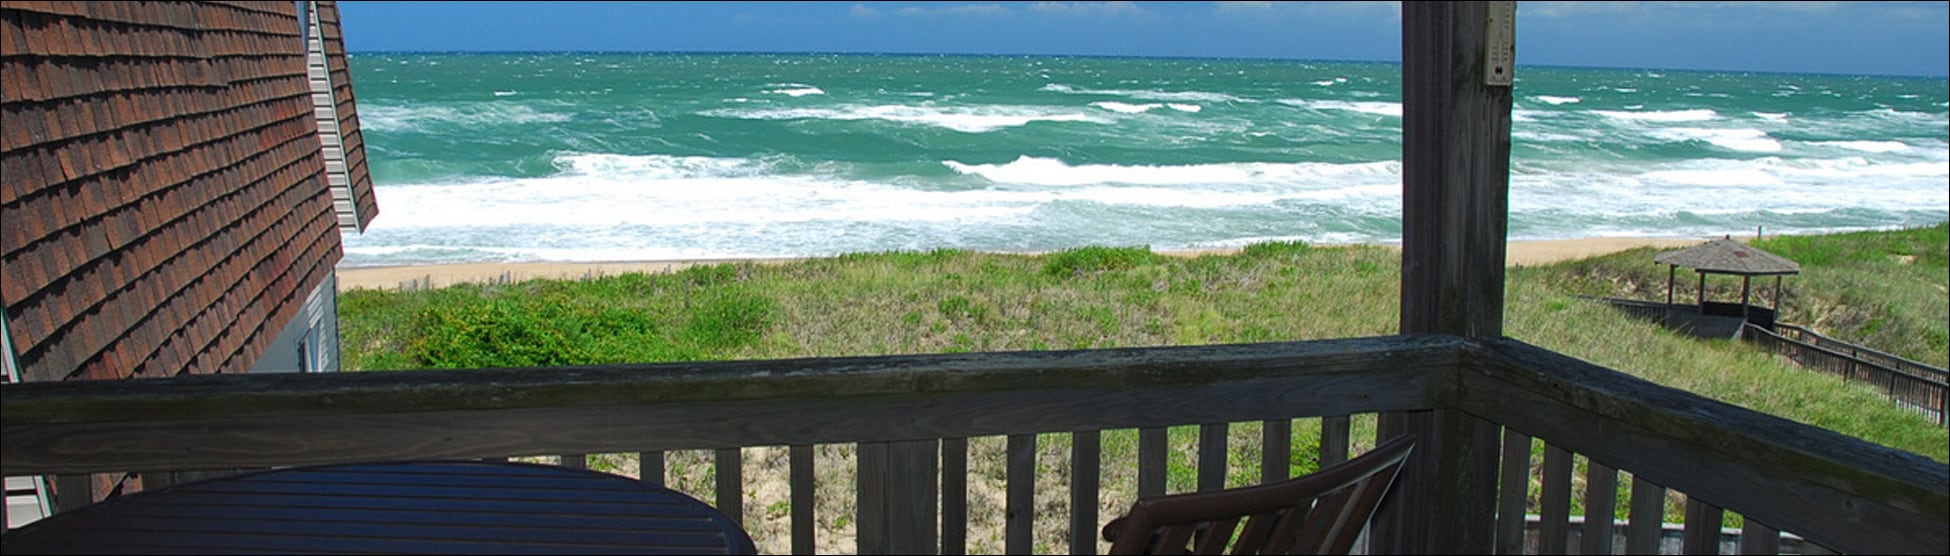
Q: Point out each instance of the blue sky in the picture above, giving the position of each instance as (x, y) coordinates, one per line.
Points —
(1880, 38)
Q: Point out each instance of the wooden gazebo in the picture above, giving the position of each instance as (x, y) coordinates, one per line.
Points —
(1726, 256)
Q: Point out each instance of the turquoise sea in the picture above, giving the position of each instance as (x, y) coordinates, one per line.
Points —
(595, 157)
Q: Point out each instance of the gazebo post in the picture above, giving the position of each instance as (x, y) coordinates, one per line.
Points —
(1702, 290)
(1777, 296)
(1672, 271)
(1745, 281)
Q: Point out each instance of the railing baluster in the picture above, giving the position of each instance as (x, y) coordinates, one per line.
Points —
(871, 535)
(804, 522)
(1513, 492)
(954, 496)
(1600, 498)
(573, 461)
(731, 483)
(1555, 508)
(1151, 461)
(1212, 456)
(1702, 528)
(1276, 450)
(1086, 448)
(1758, 538)
(650, 467)
(1334, 435)
(1019, 523)
(1645, 531)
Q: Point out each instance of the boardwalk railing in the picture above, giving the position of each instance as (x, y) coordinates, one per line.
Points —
(911, 419)
(1869, 355)
(1912, 385)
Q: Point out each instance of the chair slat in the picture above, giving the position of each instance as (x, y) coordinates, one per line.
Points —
(1325, 511)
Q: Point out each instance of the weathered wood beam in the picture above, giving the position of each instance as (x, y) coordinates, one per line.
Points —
(219, 421)
(1455, 208)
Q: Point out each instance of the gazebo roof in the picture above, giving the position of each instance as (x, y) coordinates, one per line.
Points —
(1726, 256)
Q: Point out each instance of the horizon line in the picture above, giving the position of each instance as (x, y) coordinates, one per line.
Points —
(1116, 56)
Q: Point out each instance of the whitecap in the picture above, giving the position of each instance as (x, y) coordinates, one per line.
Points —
(1867, 146)
(1184, 107)
(970, 119)
(1558, 100)
(1738, 139)
(1366, 107)
(1125, 108)
(1695, 115)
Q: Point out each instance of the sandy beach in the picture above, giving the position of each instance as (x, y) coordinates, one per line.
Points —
(388, 277)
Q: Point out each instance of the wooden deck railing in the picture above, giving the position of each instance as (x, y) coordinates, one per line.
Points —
(911, 418)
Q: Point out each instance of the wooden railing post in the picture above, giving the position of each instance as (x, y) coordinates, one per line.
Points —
(899, 495)
(1456, 100)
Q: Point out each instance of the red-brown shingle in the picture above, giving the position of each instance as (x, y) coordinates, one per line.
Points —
(159, 185)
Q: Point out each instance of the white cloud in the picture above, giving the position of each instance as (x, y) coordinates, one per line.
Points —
(1107, 9)
(1243, 6)
(861, 10)
(1308, 9)
(1567, 9)
(967, 9)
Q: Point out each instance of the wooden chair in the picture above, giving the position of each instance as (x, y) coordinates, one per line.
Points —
(1320, 513)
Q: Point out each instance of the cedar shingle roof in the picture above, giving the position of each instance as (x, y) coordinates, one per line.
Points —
(162, 202)
(1726, 256)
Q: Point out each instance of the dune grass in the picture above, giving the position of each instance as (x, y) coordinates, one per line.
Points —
(1886, 289)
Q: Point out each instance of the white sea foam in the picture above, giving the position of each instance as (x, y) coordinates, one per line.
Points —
(1125, 108)
(1184, 107)
(795, 90)
(1365, 107)
(1868, 146)
(1695, 115)
(1739, 139)
(1779, 117)
(462, 115)
(970, 119)
(505, 93)
(1146, 94)
(1029, 170)
(1558, 100)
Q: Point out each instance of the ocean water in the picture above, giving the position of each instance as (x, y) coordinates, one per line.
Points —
(604, 157)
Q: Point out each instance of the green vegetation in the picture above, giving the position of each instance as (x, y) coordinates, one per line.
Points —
(1884, 289)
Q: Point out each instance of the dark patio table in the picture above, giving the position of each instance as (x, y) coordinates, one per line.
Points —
(421, 507)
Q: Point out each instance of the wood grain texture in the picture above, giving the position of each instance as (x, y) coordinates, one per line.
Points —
(1835, 490)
